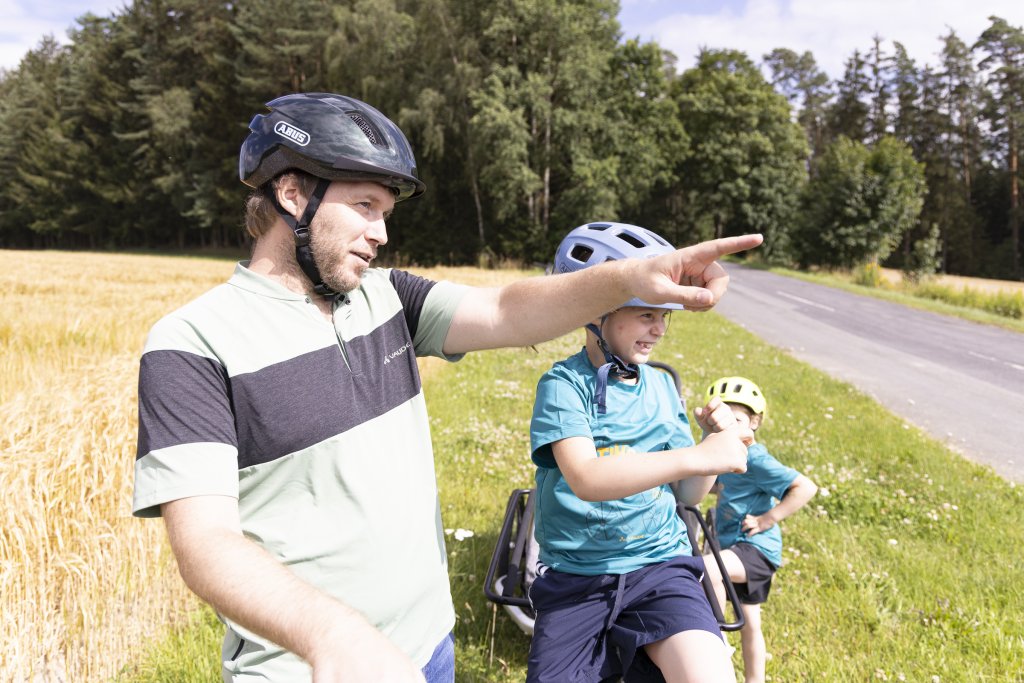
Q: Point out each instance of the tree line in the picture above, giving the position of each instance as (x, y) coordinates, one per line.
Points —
(528, 117)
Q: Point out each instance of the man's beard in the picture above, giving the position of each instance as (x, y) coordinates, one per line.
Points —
(329, 259)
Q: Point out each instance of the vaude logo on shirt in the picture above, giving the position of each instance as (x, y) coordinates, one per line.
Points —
(398, 352)
(296, 135)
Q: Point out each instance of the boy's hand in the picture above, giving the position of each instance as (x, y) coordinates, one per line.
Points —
(715, 416)
(724, 452)
(754, 524)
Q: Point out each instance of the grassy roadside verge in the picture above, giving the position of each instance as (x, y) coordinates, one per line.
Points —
(947, 299)
(906, 569)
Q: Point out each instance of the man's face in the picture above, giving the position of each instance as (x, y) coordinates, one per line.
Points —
(347, 230)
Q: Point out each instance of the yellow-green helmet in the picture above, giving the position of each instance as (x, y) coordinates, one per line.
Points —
(739, 390)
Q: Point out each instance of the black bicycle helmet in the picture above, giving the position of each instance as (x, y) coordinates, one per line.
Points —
(332, 137)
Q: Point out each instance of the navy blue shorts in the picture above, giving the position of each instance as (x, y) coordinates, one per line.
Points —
(592, 628)
(759, 574)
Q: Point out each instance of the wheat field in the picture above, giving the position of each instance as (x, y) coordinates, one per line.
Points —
(82, 583)
(84, 586)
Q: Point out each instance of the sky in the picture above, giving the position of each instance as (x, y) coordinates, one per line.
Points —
(23, 23)
(830, 29)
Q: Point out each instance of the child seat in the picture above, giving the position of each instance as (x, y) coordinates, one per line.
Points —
(513, 563)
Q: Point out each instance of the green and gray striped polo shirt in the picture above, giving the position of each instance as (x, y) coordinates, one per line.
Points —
(321, 432)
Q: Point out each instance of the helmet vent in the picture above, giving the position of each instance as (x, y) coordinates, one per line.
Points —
(626, 237)
(658, 239)
(581, 253)
(368, 130)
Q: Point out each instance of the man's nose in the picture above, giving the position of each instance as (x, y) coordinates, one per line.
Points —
(377, 232)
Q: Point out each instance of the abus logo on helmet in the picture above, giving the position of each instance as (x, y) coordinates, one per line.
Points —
(296, 135)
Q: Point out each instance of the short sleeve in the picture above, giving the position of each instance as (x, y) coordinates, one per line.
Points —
(429, 310)
(560, 411)
(771, 476)
(187, 440)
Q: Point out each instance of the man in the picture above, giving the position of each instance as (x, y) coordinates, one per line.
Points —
(283, 434)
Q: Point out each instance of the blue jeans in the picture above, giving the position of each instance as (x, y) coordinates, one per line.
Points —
(441, 667)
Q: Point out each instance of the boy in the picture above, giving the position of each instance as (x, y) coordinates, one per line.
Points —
(618, 592)
(747, 518)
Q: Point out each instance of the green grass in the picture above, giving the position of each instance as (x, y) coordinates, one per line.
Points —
(189, 654)
(1003, 304)
(906, 566)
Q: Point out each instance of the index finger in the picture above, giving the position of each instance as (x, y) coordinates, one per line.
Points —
(712, 250)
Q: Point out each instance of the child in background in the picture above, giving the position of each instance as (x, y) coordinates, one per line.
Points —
(618, 591)
(747, 519)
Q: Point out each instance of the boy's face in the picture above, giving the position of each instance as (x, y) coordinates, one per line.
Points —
(745, 417)
(633, 332)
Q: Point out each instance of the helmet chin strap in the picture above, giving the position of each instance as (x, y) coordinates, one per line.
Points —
(300, 228)
(614, 367)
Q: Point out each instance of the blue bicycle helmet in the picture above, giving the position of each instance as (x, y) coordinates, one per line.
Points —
(594, 243)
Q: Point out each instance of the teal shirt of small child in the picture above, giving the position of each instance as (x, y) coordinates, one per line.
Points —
(753, 493)
(615, 536)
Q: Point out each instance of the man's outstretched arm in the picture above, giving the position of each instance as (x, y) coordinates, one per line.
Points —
(537, 309)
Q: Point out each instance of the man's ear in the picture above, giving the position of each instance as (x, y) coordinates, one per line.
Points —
(755, 421)
(289, 196)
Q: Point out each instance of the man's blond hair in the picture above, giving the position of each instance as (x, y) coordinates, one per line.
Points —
(260, 213)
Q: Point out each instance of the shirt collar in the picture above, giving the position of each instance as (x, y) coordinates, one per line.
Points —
(250, 281)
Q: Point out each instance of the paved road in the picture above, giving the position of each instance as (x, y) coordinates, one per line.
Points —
(961, 382)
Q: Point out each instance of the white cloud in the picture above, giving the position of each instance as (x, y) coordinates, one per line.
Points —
(830, 29)
(23, 23)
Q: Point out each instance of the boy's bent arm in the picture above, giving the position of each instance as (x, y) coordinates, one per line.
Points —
(247, 585)
(611, 477)
(799, 492)
(536, 309)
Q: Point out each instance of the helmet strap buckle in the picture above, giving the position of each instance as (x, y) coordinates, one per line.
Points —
(300, 229)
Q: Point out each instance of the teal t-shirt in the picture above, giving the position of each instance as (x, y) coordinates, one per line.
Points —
(609, 537)
(753, 493)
